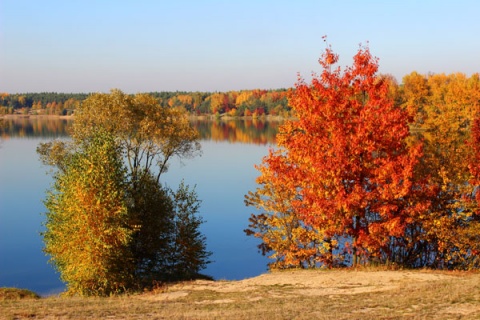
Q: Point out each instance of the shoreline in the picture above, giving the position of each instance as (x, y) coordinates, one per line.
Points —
(27, 116)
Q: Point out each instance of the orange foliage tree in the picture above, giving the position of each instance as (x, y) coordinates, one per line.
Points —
(445, 106)
(343, 170)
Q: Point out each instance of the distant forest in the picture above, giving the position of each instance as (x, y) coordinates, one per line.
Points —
(234, 103)
(415, 92)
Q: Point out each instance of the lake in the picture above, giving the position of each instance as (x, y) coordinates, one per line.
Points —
(223, 174)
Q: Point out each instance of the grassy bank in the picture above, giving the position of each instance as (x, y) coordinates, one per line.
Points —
(339, 294)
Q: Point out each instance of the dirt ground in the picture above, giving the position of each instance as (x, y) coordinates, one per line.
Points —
(309, 283)
(392, 285)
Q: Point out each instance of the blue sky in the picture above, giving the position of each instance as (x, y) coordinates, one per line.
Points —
(141, 45)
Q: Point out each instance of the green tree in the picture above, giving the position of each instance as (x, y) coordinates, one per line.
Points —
(189, 254)
(152, 219)
(166, 242)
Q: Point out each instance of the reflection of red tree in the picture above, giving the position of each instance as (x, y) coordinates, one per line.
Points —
(248, 131)
(258, 125)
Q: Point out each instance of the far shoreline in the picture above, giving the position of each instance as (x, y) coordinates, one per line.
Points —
(223, 117)
(26, 116)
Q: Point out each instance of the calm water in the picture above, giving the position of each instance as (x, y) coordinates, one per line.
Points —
(223, 175)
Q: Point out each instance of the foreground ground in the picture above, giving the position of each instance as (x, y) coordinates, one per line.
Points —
(340, 294)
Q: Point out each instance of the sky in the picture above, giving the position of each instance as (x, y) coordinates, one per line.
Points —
(86, 46)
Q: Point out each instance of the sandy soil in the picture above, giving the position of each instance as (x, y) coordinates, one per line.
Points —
(304, 294)
(311, 283)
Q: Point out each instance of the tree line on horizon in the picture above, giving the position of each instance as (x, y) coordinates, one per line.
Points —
(233, 103)
(415, 89)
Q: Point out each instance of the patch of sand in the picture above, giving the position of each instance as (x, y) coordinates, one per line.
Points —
(307, 282)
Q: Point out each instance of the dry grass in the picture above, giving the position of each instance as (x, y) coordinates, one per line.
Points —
(338, 294)
(17, 294)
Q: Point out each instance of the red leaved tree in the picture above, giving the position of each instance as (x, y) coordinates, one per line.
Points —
(344, 165)
(475, 165)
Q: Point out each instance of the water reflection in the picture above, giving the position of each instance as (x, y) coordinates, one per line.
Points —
(34, 127)
(254, 131)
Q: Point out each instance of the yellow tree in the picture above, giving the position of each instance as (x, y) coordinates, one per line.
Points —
(447, 111)
(284, 236)
(217, 102)
(148, 136)
(415, 93)
(243, 97)
(86, 235)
